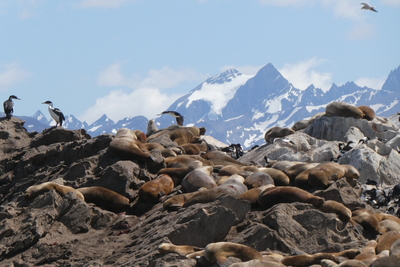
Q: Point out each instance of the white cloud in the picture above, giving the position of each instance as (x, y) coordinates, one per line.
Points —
(12, 75)
(302, 74)
(374, 83)
(119, 104)
(146, 97)
(103, 3)
(165, 77)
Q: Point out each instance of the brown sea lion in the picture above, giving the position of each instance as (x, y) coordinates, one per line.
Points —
(191, 149)
(218, 252)
(184, 160)
(369, 113)
(257, 179)
(176, 202)
(296, 169)
(343, 109)
(229, 170)
(388, 225)
(284, 164)
(326, 174)
(220, 158)
(181, 136)
(151, 191)
(177, 174)
(331, 206)
(200, 177)
(126, 145)
(287, 194)
(35, 190)
(182, 250)
(279, 177)
(308, 260)
(395, 249)
(386, 240)
(384, 216)
(252, 195)
(368, 253)
(276, 132)
(366, 219)
(104, 197)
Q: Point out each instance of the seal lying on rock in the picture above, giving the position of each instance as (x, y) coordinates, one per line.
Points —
(35, 190)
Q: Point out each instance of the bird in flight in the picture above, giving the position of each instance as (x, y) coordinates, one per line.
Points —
(179, 117)
(368, 7)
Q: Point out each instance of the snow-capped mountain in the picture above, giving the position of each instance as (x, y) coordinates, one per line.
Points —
(239, 108)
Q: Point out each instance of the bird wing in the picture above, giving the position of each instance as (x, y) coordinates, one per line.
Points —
(59, 113)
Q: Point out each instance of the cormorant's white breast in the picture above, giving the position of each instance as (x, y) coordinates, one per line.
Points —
(55, 113)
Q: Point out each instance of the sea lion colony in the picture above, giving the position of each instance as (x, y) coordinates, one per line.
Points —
(189, 171)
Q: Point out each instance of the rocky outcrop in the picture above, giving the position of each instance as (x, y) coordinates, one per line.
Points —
(55, 230)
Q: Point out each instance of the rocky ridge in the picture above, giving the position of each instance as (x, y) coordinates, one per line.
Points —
(55, 230)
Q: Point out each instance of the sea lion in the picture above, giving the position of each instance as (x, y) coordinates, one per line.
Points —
(233, 186)
(182, 250)
(220, 158)
(177, 174)
(104, 197)
(176, 202)
(252, 195)
(126, 145)
(368, 253)
(151, 128)
(287, 194)
(229, 170)
(279, 177)
(326, 174)
(276, 132)
(296, 169)
(257, 179)
(300, 125)
(384, 216)
(151, 191)
(369, 113)
(200, 177)
(388, 225)
(35, 190)
(284, 164)
(181, 136)
(366, 219)
(140, 135)
(307, 259)
(184, 160)
(331, 206)
(257, 263)
(218, 252)
(386, 262)
(386, 240)
(395, 249)
(343, 109)
(191, 149)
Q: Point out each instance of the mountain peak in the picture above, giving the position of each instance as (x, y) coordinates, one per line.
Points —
(224, 77)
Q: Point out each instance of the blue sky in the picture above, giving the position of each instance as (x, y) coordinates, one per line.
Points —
(135, 57)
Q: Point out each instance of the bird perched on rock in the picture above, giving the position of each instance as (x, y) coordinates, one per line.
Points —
(9, 106)
(368, 7)
(344, 148)
(55, 113)
(179, 117)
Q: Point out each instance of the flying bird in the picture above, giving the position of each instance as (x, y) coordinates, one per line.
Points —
(368, 7)
(179, 117)
(55, 113)
(9, 106)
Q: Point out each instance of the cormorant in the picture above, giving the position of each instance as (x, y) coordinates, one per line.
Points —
(55, 113)
(9, 106)
(179, 117)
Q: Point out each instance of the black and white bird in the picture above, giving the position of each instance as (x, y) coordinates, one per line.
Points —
(368, 7)
(9, 106)
(179, 117)
(55, 113)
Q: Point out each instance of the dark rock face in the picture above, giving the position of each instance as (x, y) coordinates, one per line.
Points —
(56, 230)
